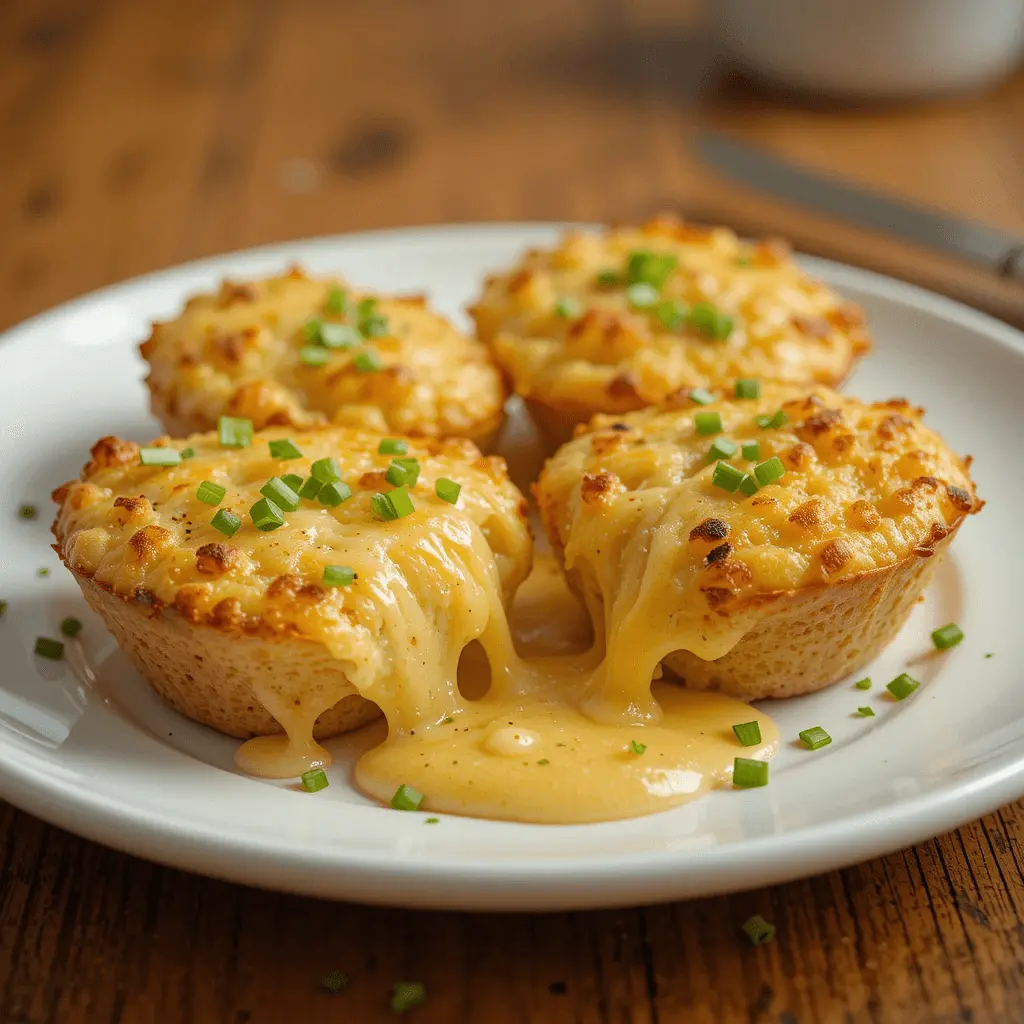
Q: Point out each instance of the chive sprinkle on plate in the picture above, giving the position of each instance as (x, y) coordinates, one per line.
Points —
(406, 995)
(748, 733)
(758, 930)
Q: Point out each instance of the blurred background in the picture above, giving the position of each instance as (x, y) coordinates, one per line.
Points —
(139, 133)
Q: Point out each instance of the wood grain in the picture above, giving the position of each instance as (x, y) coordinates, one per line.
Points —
(136, 135)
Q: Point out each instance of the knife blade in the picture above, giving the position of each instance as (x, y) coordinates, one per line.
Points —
(1000, 252)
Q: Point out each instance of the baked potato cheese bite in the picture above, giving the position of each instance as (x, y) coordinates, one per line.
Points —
(762, 547)
(626, 319)
(298, 351)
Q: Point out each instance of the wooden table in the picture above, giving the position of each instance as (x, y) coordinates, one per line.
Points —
(137, 134)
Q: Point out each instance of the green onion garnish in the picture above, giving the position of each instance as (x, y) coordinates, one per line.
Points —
(47, 648)
(727, 477)
(280, 494)
(313, 780)
(339, 336)
(159, 456)
(815, 737)
(866, 712)
(434, 821)
(266, 515)
(772, 422)
(71, 627)
(863, 684)
(672, 314)
(367, 361)
(748, 485)
(42, 572)
(326, 471)
(284, 449)
(211, 493)
(336, 981)
(748, 773)
(293, 480)
(544, 761)
(700, 396)
(233, 432)
(334, 494)
(637, 748)
(371, 323)
(395, 504)
(311, 330)
(642, 295)
(747, 388)
(902, 686)
(403, 472)
(708, 320)
(407, 995)
(339, 575)
(226, 522)
(650, 268)
(406, 799)
(758, 930)
(188, 453)
(947, 636)
(770, 471)
(743, 261)
(722, 448)
(314, 355)
(708, 423)
(311, 488)
(608, 278)
(392, 446)
(447, 490)
(751, 450)
(28, 511)
(748, 733)
(336, 301)
(567, 307)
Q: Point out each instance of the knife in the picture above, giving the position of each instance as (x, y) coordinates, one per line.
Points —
(1001, 253)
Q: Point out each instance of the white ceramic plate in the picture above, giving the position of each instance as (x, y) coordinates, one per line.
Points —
(109, 761)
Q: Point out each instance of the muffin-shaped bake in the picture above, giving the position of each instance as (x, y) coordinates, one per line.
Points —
(298, 351)
(777, 543)
(261, 582)
(626, 319)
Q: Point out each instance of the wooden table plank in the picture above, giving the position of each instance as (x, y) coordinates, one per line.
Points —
(138, 135)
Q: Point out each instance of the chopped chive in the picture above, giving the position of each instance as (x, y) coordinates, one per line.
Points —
(226, 522)
(280, 494)
(866, 712)
(211, 493)
(434, 821)
(233, 432)
(748, 388)
(326, 471)
(403, 472)
(335, 982)
(314, 355)
(336, 302)
(815, 737)
(650, 268)
(863, 684)
(407, 995)
(989, 655)
(947, 636)
(293, 480)
(902, 686)
(748, 773)
(311, 488)
(28, 511)
(339, 575)
(47, 648)
(266, 515)
(401, 502)
(382, 506)
(727, 477)
(701, 396)
(43, 572)
(284, 449)
(159, 456)
(311, 330)
(406, 799)
(758, 930)
(710, 321)
(3, 608)
(743, 261)
(188, 453)
(71, 627)
(608, 278)
(332, 495)
(568, 308)
(367, 307)
(637, 748)
(392, 446)
(708, 423)
(770, 471)
(751, 450)
(447, 490)
(339, 336)
(722, 448)
(543, 761)
(642, 295)
(367, 361)
(748, 733)
(748, 485)
(671, 314)
(772, 422)
(371, 323)
(314, 780)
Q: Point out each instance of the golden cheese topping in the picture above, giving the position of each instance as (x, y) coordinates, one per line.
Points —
(294, 350)
(625, 319)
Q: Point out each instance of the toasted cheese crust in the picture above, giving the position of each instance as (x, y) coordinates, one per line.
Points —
(238, 352)
(573, 342)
